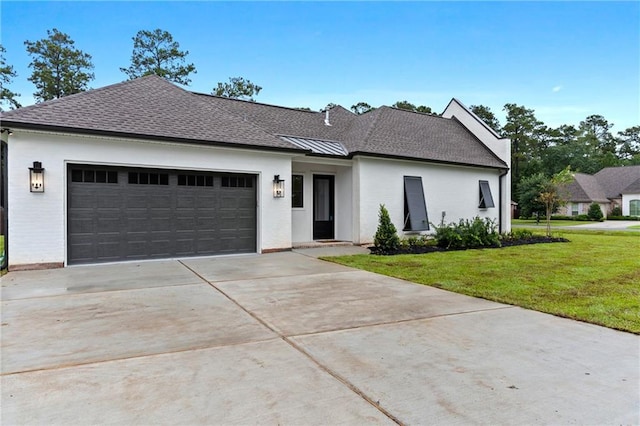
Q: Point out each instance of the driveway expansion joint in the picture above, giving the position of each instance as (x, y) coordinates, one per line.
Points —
(285, 339)
(402, 321)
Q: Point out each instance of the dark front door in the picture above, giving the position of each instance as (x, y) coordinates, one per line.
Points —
(323, 207)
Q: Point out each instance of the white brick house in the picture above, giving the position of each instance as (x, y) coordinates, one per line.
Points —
(146, 170)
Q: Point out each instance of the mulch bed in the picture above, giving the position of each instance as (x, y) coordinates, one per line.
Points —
(538, 239)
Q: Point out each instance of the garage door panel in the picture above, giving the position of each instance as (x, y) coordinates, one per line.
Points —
(130, 214)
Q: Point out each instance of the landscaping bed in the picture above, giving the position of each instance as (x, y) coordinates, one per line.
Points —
(432, 248)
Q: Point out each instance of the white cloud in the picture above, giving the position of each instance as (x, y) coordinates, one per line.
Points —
(556, 89)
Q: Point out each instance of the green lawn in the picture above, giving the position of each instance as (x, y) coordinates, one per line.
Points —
(594, 278)
(543, 223)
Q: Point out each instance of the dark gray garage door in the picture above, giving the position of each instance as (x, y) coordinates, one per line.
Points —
(116, 214)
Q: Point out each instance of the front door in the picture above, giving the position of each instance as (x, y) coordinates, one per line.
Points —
(323, 207)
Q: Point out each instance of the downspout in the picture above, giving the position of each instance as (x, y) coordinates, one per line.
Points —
(500, 179)
(4, 186)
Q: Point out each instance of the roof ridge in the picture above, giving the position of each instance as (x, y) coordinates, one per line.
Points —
(424, 114)
(366, 135)
(254, 102)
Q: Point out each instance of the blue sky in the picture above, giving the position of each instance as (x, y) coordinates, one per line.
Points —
(566, 60)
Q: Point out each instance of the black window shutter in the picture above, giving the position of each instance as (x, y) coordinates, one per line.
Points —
(415, 208)
(486, 199)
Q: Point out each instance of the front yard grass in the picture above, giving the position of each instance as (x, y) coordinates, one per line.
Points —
(594, 278)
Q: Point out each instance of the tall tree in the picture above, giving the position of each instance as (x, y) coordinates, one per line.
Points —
(361, 107)
(595, 135)
(520, 127)
(237, 88)
(408, 106)
(7, 74)
(527, 195)
(155, 52)
(59, 69)
(629, 145)
(485, 114)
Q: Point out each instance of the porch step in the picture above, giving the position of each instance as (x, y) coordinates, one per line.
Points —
(322, 243)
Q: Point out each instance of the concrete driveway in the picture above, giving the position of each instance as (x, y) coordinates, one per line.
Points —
(288, 339)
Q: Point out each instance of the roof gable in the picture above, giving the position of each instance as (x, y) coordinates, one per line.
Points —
(633, 188)
(615, 179)
(584, 188)
(397, 132)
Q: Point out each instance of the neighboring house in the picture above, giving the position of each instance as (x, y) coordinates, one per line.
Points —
(146, 170)
(610, 187)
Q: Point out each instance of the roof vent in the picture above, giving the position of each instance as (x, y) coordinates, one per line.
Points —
(326, 118)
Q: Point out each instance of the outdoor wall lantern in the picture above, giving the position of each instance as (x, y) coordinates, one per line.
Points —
(278, 187)
(36, 177)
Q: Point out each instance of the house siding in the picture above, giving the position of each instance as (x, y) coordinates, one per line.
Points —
(449, 189)
(37, 221)
(583, 208)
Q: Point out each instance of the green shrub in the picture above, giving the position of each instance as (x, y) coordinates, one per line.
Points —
(623, 217)
(616, 211)
(595, 213)
(468, 234)
(517, 234)
(386, 239)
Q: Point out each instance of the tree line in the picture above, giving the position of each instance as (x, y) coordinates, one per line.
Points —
(59, 69)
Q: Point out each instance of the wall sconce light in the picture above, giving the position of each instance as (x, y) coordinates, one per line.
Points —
(7, 131)
(36, 177)
(278, 187)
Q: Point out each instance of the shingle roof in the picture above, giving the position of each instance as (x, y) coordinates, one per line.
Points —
(148, 106)
(152, 107)
(396, 132)
(633, 188)
(615, 179)
(585, 189)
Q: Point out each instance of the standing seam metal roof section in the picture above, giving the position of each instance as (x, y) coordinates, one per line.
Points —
(318, 146)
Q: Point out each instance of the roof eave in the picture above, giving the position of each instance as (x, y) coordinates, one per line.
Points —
(504, 167)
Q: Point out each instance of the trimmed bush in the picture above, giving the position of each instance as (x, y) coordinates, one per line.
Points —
(386, 239)
(595, 213)
(623, 217)
(517, 234)
(616, 211)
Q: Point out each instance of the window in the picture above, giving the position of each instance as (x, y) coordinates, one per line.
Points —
(575, 209)
(144, 178)
(297, 191)
(634, 208)
(237, 182)
(94, 176)
(415, 208)
(195, 180)
(486, 199)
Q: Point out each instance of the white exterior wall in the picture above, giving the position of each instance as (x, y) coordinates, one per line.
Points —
(302, 218)
(501, 147)
(626, 199)
(37, 221)
(450, 189)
